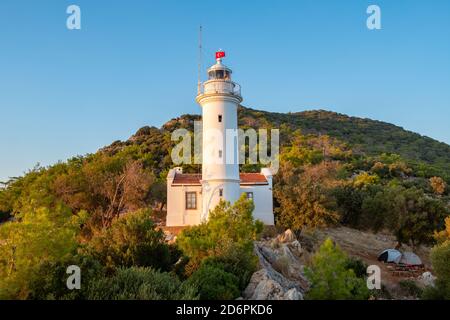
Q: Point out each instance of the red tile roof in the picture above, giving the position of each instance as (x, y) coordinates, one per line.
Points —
(253, 178)
(194, 179)
(187, 178)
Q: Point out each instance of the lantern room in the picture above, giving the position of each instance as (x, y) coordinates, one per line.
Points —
(219, 80)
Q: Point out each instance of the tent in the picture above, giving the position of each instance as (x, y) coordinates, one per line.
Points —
(390, 255)
(410, 259)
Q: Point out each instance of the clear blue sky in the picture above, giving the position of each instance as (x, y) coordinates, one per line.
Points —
(134, 63)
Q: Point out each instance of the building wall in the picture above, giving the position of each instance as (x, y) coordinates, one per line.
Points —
(262, 198)
(177, 214)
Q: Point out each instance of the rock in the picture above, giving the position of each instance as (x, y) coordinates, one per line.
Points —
(287, 236)
(296, 248)
(263, 287)
(170, 238)
(293, 294)
(427, 279)
(280, 276)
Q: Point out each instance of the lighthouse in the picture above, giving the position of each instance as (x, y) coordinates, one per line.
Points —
(219, 98)
(192, 196)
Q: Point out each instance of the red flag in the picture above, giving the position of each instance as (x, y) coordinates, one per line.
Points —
(220, 54)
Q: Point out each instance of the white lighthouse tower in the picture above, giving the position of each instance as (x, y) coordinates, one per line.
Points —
(191, 196)
(219, 98)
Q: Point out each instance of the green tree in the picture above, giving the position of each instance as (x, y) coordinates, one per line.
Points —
(229, 227)
(331, 278)
(365, 179)
(132, 240)
(304, 195)
(223, 244)
(38, 237)
(415, 216)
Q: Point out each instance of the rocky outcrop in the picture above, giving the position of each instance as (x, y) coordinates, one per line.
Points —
(281, 273)
(427, 279)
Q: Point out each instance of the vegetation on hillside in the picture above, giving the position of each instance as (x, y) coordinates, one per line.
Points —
(333, 277)
(101, 210)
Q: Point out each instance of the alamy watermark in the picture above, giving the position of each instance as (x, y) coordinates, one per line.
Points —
(374, 20)
(74, 280)
(73, 22)
(374, 277)
(229, 147)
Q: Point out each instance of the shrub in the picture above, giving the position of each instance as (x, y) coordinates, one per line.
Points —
(229, 228)
(304, 195)
(214, 283)
(358, 266)
(440, 257)
(330, 277)
(140, 284)
(51, 278)
(37, 237)
(410, 288)
(132, 240)
(240, 264)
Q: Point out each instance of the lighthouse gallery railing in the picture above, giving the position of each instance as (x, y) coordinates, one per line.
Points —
(219, 86)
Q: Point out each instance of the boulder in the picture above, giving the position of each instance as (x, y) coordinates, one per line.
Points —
(281, 275)
(293, 294)
(427, 279)
(263, 287)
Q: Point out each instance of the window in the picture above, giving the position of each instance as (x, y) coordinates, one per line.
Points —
(220, 118)
(221, 192)
(219, 74)
(249, 195)
(220, 153)
(191, 200)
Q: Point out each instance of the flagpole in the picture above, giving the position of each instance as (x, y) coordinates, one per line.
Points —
(199, 60)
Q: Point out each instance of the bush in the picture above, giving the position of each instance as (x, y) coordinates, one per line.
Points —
(358, 266)
(330, 277)
(51, 278)
(132, 240)
(37, 237)
(221, 250)
(240, 264)
(410, 288)
(214, 283)
(141, 284)
(440, 257)
(229, 228)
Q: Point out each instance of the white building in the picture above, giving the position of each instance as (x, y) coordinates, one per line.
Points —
(190, 197)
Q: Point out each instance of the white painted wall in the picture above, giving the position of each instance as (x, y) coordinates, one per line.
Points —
(219, 172)
(177, 214)
(262, 197)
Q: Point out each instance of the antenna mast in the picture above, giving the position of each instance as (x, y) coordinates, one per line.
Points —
(199, 59)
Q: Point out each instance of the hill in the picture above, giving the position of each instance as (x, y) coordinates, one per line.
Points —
(108, 207)
(366, 136)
